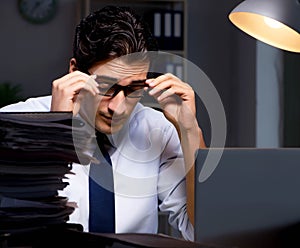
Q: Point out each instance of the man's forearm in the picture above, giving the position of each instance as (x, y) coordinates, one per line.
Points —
(191, 140)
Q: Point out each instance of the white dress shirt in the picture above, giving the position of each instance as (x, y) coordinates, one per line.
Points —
(148, 170)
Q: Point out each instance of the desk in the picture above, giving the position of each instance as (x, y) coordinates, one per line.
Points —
(72, 236)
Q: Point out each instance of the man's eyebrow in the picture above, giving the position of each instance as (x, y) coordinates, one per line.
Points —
(112, 80)
(107, 79)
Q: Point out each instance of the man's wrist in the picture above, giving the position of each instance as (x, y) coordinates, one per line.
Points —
(194, 133)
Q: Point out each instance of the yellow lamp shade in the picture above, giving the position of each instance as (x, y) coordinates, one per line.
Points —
(275, 22)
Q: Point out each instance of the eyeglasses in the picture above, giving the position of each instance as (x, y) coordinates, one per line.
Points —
(108, 87)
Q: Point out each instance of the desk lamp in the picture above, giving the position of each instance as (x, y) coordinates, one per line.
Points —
(275, 22)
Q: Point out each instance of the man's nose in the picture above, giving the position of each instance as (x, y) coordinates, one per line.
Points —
(116, 103)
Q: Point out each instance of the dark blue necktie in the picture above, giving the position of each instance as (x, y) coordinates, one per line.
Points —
(101, 195)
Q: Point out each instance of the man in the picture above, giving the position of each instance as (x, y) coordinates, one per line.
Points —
(151, 152)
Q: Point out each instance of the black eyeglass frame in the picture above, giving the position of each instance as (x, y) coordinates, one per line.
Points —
(135, 86)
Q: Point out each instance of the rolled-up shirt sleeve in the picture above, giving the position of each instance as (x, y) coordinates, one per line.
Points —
(172, 186)
(38, 104)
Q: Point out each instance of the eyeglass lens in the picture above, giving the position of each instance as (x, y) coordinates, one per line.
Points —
(109, 87)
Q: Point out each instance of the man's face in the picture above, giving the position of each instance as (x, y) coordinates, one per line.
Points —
(113, 111)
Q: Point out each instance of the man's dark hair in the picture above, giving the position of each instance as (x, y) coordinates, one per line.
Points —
(109, 33)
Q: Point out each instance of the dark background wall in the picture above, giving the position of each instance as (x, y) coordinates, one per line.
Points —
(228, 57)
(34, 55)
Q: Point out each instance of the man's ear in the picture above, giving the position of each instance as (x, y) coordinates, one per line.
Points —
(72, 65)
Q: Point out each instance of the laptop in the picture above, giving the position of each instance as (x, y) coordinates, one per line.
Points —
(251, 198)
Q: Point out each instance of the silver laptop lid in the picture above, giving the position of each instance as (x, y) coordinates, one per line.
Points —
(252, 198)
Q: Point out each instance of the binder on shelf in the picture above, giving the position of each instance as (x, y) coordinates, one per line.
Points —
(179, 71)
(167, 28)
(168, 24)
(157, 24)
(176, 69)
(177, 25)
(177, 30)
(170, 68)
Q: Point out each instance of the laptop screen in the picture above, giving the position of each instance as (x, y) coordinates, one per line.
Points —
(251, 199)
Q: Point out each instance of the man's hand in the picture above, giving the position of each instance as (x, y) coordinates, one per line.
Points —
(65, 90)
(177, 100)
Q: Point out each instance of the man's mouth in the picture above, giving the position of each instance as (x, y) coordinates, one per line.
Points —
(113, 119)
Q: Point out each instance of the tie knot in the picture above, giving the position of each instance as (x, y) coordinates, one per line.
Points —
(104, 145)
(102, 139)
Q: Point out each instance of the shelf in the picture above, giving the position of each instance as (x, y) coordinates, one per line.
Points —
(167, 19)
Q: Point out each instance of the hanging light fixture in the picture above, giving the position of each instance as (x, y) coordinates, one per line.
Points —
(275, 22)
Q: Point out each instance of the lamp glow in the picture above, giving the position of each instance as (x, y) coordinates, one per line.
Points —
(275, 22)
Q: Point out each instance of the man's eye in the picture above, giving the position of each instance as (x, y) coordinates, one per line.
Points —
(134, 88)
